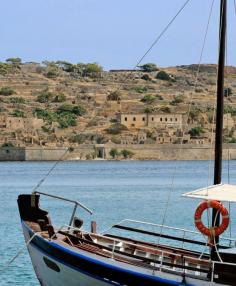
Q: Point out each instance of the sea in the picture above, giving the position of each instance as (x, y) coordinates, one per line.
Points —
(145, 191)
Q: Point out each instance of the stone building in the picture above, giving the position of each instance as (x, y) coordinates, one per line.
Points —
(176, 120)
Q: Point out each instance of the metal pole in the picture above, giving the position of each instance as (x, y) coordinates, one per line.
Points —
(73, 215)
(220, 112)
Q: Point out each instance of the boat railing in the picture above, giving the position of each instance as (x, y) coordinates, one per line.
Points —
(121, 226)
(159, 259)
(76, 204)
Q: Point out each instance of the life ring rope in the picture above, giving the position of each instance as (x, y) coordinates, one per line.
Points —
(212, 231)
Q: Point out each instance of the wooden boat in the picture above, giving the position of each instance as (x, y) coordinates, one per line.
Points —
(71, 256)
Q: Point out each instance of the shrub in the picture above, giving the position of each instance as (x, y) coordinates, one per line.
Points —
(46, 114)
(79, 138)
(114, 96)
(52, 73)
(232, 140)
(159, 97)
(149, 109)
(60, 97)
(146, 77)
(165, 109)
(18, 113)
(116, 128)
(6, 91)
(162, 75)
(45, 97)
(66, 66)
(141, 89)
(114, 153)
(228, 91)
(196, 131)
(149, 67)
(8, 144)
(5, 68)
(19, 100)
(66, 120)
(148, 99)
(68, 108)
(230, 109)
(194, 113)
(177, 99)
(127, 153)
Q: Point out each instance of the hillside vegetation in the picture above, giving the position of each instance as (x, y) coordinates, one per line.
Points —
(80, 103)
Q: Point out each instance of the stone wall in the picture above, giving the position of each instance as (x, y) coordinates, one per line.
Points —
(141, 152)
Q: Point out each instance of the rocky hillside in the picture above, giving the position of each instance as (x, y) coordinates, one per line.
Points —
(61, 104)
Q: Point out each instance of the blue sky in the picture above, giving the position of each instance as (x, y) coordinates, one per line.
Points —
(114, 33)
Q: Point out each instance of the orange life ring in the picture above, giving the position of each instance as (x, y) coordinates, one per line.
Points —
(214, 231)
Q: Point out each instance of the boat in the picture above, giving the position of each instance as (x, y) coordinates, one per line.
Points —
(69, 255)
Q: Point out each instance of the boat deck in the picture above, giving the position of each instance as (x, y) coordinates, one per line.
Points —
(134, 252)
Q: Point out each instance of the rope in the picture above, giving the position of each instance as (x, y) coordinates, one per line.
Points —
(49, 172)
(162, 34)
(188, 115)
(8, 264)
(166, 28)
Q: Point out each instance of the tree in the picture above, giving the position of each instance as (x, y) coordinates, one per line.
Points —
(127, 153)
(114, 153)
(90, 69)
(149, 67)
(162, 75)
(196, 131)
(14, 61)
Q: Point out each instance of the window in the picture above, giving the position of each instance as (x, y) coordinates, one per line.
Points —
(134, 118)
(161, 119)
(126, 119)
(166, 119)
(51, 264)
(170, 119)
(152, 118)
(176, 119)
(143, 118)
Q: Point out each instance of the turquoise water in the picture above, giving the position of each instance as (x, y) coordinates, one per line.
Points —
(113, 190)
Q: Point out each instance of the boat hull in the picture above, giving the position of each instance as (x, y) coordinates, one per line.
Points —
(54, 269)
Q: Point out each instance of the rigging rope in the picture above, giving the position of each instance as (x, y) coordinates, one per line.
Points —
(162, 34)
(188, 115)
(166, 28)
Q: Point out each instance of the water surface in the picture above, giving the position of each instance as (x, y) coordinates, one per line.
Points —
(113, 190)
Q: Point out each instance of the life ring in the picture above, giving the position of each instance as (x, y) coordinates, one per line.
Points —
(213, 231)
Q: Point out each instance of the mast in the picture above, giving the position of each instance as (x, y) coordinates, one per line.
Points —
(219, 111)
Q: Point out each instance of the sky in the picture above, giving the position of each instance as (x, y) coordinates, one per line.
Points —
(113, 33)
